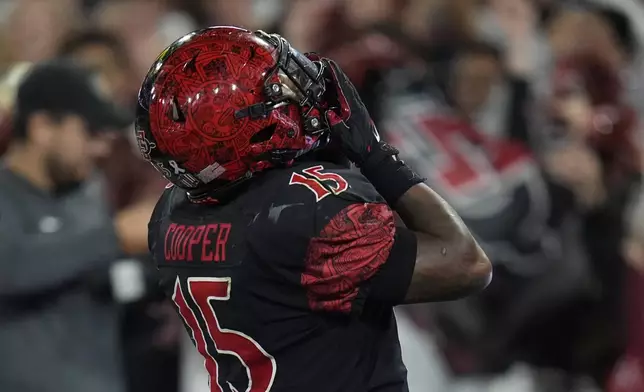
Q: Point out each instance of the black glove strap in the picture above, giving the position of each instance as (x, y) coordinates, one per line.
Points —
(389, 175)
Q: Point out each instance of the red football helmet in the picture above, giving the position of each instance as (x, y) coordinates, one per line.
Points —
(223, 103)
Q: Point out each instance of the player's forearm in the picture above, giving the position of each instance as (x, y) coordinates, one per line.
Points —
(449, 264)
(423, 210)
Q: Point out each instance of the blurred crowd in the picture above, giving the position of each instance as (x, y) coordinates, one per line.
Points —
(523, 114)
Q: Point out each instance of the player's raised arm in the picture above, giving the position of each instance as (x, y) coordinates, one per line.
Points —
(449, 262)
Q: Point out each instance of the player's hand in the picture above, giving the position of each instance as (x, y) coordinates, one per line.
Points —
(353, 129)
(349, 120)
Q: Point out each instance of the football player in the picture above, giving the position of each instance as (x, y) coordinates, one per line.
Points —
(283, 262)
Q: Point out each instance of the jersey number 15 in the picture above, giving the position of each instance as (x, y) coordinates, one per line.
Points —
(321, 184)
(260, 366)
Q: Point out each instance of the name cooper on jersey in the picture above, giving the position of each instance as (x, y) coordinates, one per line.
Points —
(203, 243)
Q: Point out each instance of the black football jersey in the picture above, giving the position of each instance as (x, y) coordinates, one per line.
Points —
(290, 286)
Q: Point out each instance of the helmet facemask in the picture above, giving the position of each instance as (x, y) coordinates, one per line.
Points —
(301, 81)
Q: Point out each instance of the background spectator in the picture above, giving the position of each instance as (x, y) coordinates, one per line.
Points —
(58, 238)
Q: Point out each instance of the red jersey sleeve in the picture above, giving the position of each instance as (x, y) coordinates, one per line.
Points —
(356, 245)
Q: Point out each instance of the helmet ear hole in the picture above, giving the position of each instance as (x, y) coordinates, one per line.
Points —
(264, 134)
